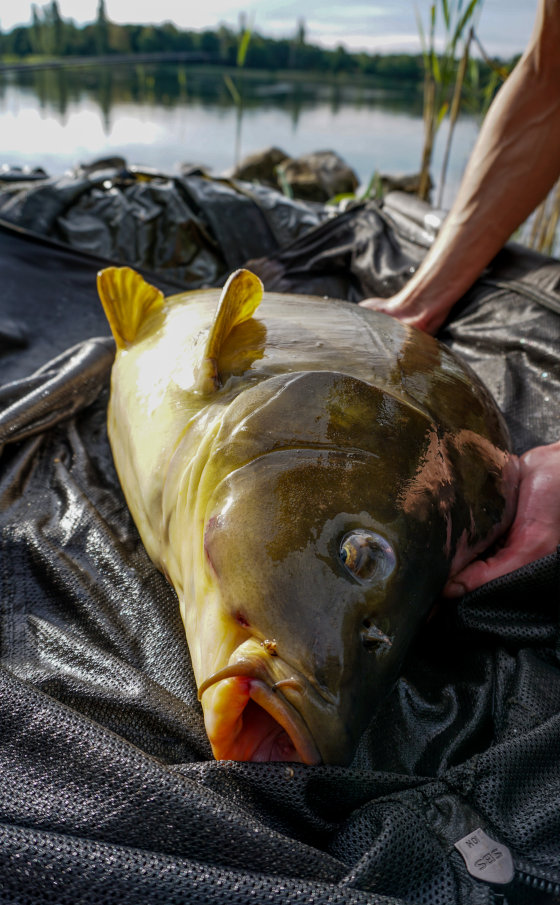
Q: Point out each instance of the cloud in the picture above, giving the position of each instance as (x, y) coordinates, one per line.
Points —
(391, 43)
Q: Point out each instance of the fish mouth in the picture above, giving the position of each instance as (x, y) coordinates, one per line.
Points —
(249, 718)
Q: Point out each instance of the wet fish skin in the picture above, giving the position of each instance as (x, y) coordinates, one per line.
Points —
(307, 479)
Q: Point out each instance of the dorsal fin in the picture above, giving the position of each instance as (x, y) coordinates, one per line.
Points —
(238, 302)
(127, 300)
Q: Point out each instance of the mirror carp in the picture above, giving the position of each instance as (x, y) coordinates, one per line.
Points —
(307, 474)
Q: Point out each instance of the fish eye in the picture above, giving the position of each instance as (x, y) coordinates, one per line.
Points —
(367, 555)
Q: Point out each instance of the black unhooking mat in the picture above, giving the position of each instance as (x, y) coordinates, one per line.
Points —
(108, 792)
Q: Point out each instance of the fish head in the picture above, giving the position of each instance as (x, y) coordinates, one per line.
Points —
(325, 541)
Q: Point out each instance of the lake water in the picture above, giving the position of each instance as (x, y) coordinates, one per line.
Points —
(165, 116)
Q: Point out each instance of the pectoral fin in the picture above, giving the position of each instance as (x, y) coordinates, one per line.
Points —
(238, 302)
(127, 300)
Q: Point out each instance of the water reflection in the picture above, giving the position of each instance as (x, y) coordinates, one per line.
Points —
(170, 85)
(162, 115)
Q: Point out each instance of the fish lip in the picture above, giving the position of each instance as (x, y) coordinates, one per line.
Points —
(288, 717)
(245, 666)
(270, 696)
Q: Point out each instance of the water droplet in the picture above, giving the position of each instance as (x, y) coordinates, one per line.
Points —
(547, 398)
(545, 374)
(521, 342)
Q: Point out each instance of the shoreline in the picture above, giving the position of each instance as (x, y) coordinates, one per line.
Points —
(200, 63)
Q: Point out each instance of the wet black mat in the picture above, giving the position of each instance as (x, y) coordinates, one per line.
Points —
(108, 790)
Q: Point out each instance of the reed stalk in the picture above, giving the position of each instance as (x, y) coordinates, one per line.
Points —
(429, 131)
(440, 80)
(454, 112)
(236, 91)
(544, 224)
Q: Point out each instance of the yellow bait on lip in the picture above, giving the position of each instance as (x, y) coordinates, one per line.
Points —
(307, 473)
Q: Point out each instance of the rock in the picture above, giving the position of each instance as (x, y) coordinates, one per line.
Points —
(317, 177)
(260, 166)
(101, 163)
(21, 174)
(401, 182)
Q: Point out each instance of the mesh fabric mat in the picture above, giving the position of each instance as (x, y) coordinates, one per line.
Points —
(109, 793)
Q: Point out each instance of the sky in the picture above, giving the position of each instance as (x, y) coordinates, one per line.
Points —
(379, 26)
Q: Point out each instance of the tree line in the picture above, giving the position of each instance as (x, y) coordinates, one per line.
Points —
(48, 34)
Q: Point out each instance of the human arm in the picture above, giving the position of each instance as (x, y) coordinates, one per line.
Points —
(514, 164)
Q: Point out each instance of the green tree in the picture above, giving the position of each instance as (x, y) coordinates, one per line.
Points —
(18, 42)
(36, 30)
(57, 29)
(51, 31)
(297, 46)
(342, 61)
(210, 42)
(228, 45)
(118, 38)
(148, 39)
(101, 30)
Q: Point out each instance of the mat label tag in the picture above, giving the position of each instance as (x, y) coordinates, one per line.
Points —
(486, 859)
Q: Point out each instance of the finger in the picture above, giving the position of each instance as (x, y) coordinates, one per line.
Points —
(482, 571)
(376, 304)
(426, 319)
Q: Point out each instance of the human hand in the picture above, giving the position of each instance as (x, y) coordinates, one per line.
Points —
(535, 530)
(420, 314)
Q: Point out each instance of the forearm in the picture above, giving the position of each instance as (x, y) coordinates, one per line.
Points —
(514, 164)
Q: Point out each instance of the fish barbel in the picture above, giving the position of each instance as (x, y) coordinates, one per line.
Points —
(307, 474)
